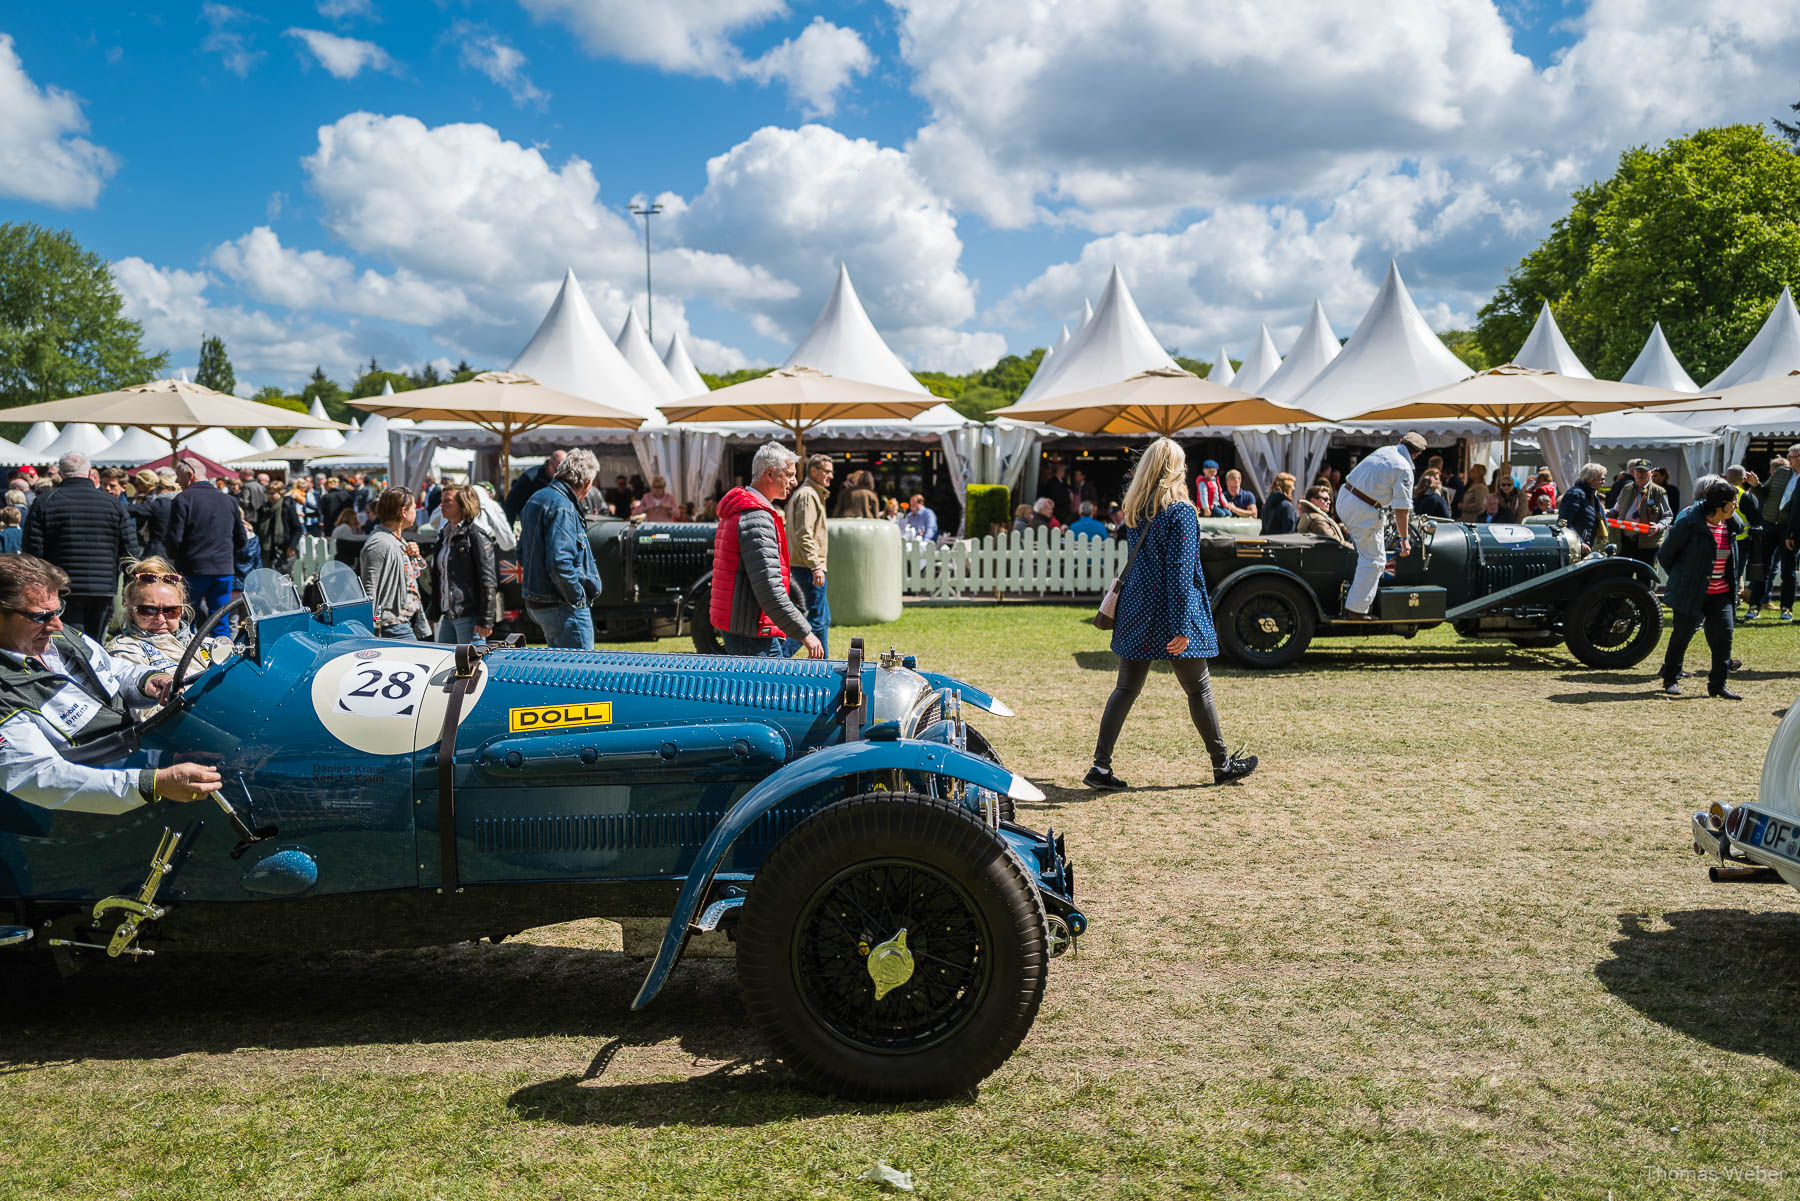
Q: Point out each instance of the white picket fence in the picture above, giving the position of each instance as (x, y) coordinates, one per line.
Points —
(313, 553)
(1020, 562)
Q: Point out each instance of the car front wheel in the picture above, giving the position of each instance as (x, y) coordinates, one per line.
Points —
(892, 948)
(700, 626)
(1614, 624)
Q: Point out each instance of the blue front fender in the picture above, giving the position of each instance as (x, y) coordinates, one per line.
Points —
(831, 763)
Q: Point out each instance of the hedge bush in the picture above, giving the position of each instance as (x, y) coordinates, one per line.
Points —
(984, 506)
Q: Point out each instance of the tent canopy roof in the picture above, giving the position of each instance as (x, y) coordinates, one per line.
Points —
(572, 353)
(682, 370)
(1113, 345)
(844, 343)
(1262, 362)
(1657, 367)
(1547, 350)
(1774, 351)
(635, 345)
(1316, 346)
(1393, 354)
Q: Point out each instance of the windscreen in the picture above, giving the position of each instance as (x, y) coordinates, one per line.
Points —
(270, 593)
(340, 585)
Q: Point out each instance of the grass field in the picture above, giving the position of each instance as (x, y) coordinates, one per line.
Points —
(1450, 941)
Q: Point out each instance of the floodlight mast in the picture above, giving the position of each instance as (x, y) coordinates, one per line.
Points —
(647, 212)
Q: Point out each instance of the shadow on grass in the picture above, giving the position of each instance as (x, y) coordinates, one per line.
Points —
(1728, 977)
(741, 1093)
(1591, 698)
(471, 992)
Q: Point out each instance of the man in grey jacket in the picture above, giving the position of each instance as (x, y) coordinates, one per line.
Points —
(752, 604)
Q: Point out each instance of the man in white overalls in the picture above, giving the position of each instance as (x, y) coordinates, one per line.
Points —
(1382, 481)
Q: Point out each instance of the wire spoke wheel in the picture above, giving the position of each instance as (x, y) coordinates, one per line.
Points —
(866, 906)
(893, 947)
(1265, 623)
(1614, 624)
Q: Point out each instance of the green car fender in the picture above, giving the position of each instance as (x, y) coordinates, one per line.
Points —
(831, 763)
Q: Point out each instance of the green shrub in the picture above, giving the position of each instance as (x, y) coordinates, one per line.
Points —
(984, 506)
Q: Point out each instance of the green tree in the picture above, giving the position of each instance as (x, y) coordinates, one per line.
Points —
(741, 375)
(371, 382)
(214, 370)
(1463, 344)
(63, 329)
(463, 373)
(1790, 129)
(426, 377)
(326, 391)
(1701, 234)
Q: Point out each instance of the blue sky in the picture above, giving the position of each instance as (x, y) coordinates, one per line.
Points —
(322, 182)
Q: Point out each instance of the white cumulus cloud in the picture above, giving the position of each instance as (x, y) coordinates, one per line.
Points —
(345, 58)
(696, 37)
(311, 279)
(487, 52)
(43, 157)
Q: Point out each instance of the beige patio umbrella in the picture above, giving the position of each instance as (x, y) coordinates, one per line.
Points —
(502, 402)
(1509, 396)
(799, 398)
(1161, 400)
(172, 409)
(1776, 392)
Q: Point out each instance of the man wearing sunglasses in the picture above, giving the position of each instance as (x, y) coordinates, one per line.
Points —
(59, 689)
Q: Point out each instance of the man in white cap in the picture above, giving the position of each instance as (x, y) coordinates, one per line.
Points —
(1382, 481)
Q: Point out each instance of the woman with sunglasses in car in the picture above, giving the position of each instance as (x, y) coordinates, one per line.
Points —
(157, 621)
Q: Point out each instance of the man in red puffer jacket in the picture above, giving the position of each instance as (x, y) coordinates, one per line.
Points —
(753, 603)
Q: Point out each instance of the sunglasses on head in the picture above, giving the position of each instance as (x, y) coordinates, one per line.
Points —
(41, 617)
(151, 577)
(172, 612)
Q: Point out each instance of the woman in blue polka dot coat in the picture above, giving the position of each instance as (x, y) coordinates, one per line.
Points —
(1163, 613)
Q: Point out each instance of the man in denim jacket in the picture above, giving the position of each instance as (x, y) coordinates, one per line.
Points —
(561, 580)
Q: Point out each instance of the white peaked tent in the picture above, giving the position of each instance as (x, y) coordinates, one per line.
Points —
(1221, 372)
(221, 446)
(1774, 351)
(321, 437)
(634, 344)
(12, 454)
(682, 370)
(1547, 350)
(1087, 312)
(1392, 355)
(1657, 367)
(571, 353)
(387, 387)
(113, 432)
(1316, 346)
(844, 342)
(83, 436)
(1062, 341)
(1114, 345)
(133, 448)
(262, 440)
(1261, 363)
(40, 435)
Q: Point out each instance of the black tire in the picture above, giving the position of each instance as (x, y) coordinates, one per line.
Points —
(1265, 623)
(1614, 624)
(700, 626)
(969, 909)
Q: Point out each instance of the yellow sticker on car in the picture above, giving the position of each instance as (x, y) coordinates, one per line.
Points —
(559, 717)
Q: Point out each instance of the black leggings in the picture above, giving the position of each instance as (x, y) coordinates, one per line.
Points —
(1195, 680)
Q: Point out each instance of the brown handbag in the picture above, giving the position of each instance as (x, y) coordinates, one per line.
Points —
(1105, 616)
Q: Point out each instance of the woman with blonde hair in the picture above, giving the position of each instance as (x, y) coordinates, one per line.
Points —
(1163, 613)
(158, 621)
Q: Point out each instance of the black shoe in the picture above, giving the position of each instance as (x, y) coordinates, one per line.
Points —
(1687, 675)
(1669, 688)
(1236, 768)
(1353, 615)
(1724, 694)
(1103, 779)
(1734, 665)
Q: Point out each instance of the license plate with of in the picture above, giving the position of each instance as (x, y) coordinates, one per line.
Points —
(1783, 838)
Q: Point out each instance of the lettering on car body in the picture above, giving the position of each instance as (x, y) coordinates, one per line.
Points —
(559, 717)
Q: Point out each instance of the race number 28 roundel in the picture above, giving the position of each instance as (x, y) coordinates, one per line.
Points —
(387, 701)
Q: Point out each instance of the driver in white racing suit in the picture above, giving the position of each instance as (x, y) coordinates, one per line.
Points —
(59, 689)
(1382, 481)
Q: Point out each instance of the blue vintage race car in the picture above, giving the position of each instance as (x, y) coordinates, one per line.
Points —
(836, 823)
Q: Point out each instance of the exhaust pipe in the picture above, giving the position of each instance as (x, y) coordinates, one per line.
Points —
(1732, 874)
